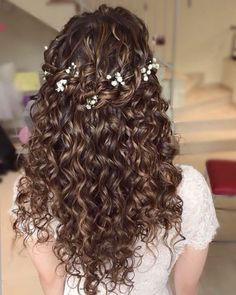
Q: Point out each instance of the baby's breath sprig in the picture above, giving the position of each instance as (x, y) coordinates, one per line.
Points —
(72, 71)
(91, 101)
(146, 71)
(116, 80)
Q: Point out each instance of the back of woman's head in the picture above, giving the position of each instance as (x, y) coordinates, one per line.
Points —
(102, 169)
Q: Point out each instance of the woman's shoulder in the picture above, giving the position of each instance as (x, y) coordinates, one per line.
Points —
(189, 170)
(193, 181)
(193, 189)
(199, 221)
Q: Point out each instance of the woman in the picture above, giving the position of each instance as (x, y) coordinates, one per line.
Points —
(102, 207)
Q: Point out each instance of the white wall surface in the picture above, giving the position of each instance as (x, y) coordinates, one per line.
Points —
(23, 40)
(204, 37)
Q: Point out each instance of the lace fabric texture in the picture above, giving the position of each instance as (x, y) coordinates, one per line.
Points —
(199, 226)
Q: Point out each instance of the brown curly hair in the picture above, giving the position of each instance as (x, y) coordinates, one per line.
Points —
(106, 174)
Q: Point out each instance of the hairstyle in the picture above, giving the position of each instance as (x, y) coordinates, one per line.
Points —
(106, 174)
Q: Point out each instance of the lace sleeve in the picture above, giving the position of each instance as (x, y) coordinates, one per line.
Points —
(199, 221)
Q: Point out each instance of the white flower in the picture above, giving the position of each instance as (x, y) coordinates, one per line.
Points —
(91, 101)
(114, 83)
(61, 85)
(147, 71)
(143, 70)
(88, 106)
(145, 78)
(73, 65)
(117, 79)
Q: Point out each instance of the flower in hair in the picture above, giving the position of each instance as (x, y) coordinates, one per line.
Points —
(91, 101)
(45, 73)
(72, 70)
(116, 80)
(146, 71)
(61, 85)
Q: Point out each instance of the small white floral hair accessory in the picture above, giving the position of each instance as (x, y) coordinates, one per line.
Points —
(146, 71)
(91, 101)
(61, 85)
(116, 79)
(45, 73)
(71, 70)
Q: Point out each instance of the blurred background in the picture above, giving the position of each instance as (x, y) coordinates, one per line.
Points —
(195, 43)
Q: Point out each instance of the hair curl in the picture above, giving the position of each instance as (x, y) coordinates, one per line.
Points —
(106, 175)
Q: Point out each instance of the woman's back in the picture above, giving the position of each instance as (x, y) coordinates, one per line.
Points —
(199, 228)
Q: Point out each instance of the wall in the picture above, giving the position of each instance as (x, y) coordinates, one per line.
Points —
(24, 39)
(51, 14)
(204, 37)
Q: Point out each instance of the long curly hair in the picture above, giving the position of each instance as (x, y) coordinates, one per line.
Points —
(106, 175)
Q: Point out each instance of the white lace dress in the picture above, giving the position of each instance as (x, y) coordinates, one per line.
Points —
(199, 224)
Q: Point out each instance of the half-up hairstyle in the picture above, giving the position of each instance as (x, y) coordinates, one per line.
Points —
(105, 174)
